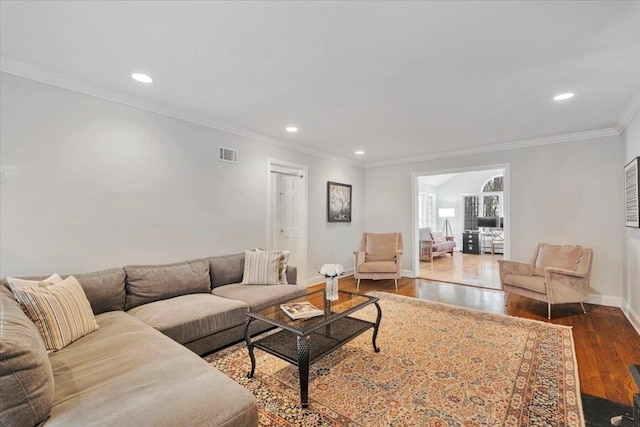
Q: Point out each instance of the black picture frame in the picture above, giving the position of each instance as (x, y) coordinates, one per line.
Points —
(338, 202)
(631, 189)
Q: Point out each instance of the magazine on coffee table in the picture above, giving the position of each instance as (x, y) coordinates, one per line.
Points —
(301, 310)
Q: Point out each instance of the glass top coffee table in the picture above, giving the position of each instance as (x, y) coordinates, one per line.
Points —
(302, 342)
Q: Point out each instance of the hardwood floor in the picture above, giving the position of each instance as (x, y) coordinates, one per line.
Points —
(466, 269)
(606, 343)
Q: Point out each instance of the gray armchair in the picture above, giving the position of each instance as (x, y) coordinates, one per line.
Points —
(556, 274)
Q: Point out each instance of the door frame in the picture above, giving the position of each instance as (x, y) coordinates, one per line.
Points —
(415, 244)
(272, 213)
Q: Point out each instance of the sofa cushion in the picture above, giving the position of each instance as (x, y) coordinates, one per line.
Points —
(261, 267)
(260, 296)
(558, 256)
(377, 267)
(226, 269)
(189, 317)
(61, 311)
(128, 374)
(444, 246)
(381, 247)
(104, 289)
(148, 283)
(26, 377)
(533, 283)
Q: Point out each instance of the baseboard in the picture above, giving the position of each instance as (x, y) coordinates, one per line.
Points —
(633, 317)
(408, 273)
(608, 300)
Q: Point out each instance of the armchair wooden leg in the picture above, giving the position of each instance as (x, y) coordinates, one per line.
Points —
(549, 310)
(396, 284)
(506, 298)
(358, 285)
(582, 305)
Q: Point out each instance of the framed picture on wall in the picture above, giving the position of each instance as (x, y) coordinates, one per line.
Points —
(631, 200)
(338, 202)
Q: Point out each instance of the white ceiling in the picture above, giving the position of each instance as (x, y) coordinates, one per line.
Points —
(396, 79)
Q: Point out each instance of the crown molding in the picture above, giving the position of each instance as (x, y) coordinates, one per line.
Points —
(556, 139)
(42, 75)
(632, 109)
(21, 69)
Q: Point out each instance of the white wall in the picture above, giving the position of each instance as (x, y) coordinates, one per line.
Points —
(631, 289)
(94, 184)
(560, 193)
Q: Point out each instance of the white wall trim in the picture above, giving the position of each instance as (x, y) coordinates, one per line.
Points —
(408, 273)
(303, 211)
(512, 145)
(632, 109)
(633, 317)
(505, 167)
(86, 87)
(11, 66)
(606, 300)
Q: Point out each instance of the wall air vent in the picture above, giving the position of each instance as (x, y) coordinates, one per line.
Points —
(228, 155)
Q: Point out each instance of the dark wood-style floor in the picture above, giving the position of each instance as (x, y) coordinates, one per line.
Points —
(606, 342)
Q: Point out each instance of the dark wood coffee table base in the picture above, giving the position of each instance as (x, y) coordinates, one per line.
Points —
(312, 346)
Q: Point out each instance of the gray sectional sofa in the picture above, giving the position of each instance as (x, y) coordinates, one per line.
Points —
(137, 369)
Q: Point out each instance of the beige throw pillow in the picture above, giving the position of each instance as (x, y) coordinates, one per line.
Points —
(282, 267)
(262, 267)
(61, 312)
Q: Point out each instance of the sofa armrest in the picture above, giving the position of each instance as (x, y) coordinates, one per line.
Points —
(554, 270)
(512, 267)
(358, 258)
(292, 275)
(566, 285)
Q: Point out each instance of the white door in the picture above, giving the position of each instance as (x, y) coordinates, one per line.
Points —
(287, 224)
(288, 216)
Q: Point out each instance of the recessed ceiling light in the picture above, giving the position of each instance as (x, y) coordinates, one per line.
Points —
(143, 78)
(359, 152)
(291, 129)
(563, 96)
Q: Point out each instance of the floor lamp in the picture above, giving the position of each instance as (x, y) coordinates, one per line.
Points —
(447, 213)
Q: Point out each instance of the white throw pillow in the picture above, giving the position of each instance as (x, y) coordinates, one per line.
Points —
(438, 237)
(15, 282)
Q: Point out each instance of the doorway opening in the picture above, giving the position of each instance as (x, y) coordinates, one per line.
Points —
(287, 213)
(469, 206)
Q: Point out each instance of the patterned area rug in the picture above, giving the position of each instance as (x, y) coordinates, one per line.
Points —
(439, 366)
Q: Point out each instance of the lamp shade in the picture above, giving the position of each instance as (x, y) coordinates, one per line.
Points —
(446, 213)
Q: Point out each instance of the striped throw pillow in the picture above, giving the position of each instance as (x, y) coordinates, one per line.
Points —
(61, 312)
(282, 265)
(261, 267)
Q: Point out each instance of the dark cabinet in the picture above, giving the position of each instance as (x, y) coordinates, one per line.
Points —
(471, 243)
